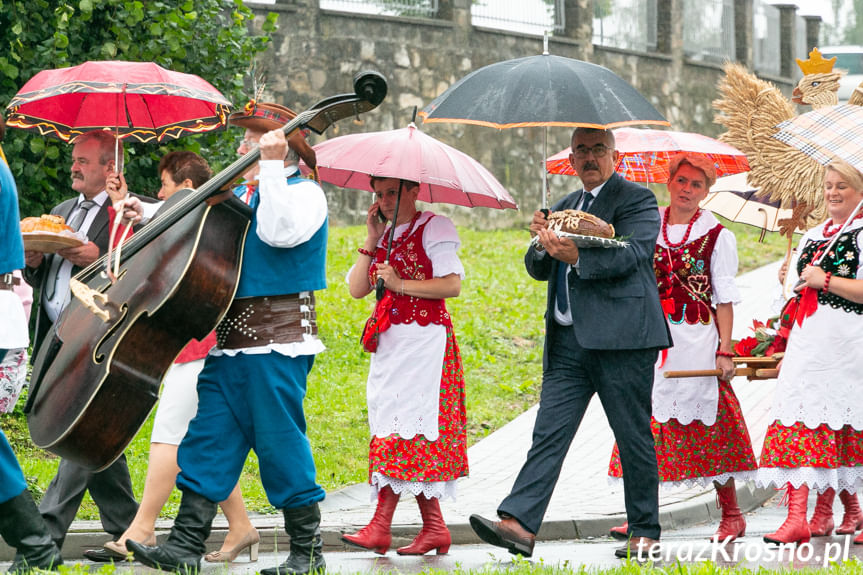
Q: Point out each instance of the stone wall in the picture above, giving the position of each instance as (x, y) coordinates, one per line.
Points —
(315, 54)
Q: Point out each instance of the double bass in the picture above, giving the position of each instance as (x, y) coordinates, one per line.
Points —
(97, 376)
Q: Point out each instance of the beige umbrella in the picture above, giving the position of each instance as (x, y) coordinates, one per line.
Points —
(735, 199)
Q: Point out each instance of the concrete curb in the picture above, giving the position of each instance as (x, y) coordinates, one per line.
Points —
(698, 509)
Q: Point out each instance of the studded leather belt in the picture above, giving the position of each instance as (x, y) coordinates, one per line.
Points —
(261, 321)
(8, 281)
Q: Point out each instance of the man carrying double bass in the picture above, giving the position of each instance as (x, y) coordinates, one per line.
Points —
(251, 389)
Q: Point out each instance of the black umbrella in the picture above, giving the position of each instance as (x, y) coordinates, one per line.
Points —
(543, 90)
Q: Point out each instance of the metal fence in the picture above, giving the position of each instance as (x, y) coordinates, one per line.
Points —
(525, 16)
(765, 38)
(412, 8)
(708, 31)
(627, 24)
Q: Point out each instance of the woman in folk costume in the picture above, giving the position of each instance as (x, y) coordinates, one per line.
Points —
(697, 423)
(816, 438)
(415, 389)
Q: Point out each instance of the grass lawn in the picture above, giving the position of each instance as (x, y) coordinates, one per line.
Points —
(499, 327)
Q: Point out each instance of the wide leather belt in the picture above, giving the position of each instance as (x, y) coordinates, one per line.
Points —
(261, 321)
(8, 281)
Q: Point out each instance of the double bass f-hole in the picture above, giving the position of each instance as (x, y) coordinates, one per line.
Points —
(97, 302)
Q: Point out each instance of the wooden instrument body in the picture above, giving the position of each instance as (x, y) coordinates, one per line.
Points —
(96, 394)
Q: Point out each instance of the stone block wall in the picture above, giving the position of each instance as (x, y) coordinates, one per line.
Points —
(315, 54)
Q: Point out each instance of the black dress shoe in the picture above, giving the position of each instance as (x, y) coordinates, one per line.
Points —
(102, 555)
(639, 549)
(507, 533)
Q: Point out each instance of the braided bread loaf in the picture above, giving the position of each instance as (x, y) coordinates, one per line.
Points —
(581, 223)
(45, 223)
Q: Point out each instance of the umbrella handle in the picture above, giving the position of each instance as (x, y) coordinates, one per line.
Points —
(379, 289)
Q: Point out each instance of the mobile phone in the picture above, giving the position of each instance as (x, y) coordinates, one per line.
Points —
(381, 216)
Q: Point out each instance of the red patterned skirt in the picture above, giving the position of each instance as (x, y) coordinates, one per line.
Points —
(701, 453)
(798, 446)
(418, 459)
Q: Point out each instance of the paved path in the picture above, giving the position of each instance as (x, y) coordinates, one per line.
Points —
(583, 505)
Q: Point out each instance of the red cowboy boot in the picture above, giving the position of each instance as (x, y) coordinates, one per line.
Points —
(796, 528)
(733, 524)
(852, 520)
(621, 532)
(376, 535)
(433, 535)
(821, 524)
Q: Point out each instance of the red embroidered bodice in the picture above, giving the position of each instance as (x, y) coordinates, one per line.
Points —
(684, 281)
(410, 260)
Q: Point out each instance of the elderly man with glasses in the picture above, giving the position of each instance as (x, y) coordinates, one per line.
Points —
(604, 330)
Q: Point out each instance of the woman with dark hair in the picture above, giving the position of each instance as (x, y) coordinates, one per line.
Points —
(415, 388)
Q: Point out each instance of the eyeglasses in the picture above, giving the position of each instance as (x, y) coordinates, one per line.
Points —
(250, 144)
(598, 151)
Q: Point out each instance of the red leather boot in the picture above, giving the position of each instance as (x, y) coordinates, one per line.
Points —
(433, 535)
(852, 520)
(796, 528)
(376, 535)
(821, 524)
(621, 532)
(733, 524)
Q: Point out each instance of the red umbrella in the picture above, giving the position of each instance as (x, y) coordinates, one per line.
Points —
(140, 100)
(645, 153)
(445, 174)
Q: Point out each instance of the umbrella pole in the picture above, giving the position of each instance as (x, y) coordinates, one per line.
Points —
(379, 285)
(545, 172)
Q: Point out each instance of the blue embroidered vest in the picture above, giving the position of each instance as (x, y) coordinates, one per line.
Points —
(276, 271)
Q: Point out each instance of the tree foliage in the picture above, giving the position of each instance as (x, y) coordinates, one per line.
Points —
(210, 38)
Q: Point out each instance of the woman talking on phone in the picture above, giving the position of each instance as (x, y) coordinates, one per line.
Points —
(415, 388)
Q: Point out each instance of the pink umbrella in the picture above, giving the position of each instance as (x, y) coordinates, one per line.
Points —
(445, 174)
(645, 153)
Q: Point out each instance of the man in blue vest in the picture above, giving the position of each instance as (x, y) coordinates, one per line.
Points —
(251, 389)
(21, 525)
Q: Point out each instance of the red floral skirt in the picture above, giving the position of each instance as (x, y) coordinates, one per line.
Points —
(798, 446)
(694, 451)
(418, 459)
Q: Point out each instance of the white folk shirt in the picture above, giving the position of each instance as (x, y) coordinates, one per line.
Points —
(287, 216)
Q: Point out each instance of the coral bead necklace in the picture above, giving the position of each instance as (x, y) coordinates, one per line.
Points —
(685, 235)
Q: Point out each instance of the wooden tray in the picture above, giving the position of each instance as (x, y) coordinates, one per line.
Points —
(47, 242)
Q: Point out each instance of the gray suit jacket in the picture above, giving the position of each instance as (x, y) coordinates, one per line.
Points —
(98, 233)
(615, 302)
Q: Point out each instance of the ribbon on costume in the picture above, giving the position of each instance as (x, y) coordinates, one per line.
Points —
(378, 323)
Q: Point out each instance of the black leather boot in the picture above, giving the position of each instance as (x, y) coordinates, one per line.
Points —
(23, 528)
(186, 543)
(303, 524)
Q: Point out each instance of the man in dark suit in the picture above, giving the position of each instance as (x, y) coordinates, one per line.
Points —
(604, 328)
(111, 489)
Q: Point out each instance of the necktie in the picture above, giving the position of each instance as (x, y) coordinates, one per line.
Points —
(561, 289)
(74, 223)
